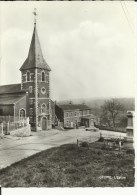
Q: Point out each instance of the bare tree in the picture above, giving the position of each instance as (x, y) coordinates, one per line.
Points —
(110, 112)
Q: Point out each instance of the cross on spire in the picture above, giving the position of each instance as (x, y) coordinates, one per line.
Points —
(35, 15)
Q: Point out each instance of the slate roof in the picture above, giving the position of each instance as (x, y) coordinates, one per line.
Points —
(35, 57)
(10, 100)
(13, 88)
(74, 107)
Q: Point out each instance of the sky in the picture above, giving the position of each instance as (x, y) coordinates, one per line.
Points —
(90, 46)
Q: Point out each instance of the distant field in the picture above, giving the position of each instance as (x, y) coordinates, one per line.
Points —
(68, 166)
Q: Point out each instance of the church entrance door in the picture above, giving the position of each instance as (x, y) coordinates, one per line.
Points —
(44, 123)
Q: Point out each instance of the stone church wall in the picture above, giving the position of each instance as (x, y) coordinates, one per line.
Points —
(6, 110)
(21, 105)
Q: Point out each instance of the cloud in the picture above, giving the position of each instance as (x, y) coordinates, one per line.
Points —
(90, 54)
(92, 64)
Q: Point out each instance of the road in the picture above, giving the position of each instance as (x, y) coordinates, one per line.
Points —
(13, 149)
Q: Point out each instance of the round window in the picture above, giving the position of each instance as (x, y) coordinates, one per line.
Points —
(43, 90)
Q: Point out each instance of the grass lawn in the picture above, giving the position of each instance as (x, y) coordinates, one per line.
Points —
(66, 166)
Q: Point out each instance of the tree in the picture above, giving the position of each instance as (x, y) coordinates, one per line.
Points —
(123, 121)
(110, 112)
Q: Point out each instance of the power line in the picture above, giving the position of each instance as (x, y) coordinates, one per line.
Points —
(127, 17)
(130, 18)
(127, 10)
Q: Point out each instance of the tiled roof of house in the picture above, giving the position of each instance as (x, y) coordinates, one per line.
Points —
(10, 100)
(74, 107)
(14, 88)
(35, 57)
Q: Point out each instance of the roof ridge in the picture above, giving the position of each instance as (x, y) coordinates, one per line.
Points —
(10, 99)
(73, 106)
(11, 84)
(11, 88)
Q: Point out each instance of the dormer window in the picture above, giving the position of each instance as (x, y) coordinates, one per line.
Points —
(43, 76)
(28, 76)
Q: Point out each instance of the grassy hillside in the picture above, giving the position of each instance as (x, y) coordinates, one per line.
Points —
(68, 166)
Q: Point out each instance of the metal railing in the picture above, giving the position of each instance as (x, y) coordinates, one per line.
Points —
(7, 126)
(107, 139)
(11, 118)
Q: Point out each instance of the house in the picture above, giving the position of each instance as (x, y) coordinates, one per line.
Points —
(30, 98)
(74, 115)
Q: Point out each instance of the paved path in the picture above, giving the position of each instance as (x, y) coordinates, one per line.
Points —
(13, 149)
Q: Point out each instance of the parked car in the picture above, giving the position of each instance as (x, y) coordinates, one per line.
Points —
(91, 129)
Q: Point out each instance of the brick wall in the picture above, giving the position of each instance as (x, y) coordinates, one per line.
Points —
(21, 104)
(38, 94)
(53, 112)
(6, 110)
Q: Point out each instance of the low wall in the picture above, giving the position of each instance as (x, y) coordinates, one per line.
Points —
(59, 128)
(81, 127)
(22, 132)
(118, 129)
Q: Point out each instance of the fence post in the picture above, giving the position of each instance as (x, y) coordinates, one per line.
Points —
(27, 121)
(7, 127)
(23, 122)
(77, 144)
(2, 129)
(119, 145)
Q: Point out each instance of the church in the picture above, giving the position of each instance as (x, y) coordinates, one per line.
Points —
(30, 98)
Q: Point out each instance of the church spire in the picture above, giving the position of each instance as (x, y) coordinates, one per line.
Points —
(35, 57)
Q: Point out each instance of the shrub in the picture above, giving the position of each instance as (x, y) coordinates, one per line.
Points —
(99, 152)
(84, 144)
(103, 147)
(7, 133)
(101, 139)
(130, 151)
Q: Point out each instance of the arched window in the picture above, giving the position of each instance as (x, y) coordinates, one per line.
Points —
(43, 108)
(30, 89)
(22, 113)
(43, 76)
(28, 76)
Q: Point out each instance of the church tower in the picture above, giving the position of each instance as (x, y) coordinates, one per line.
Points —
(35, 74)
